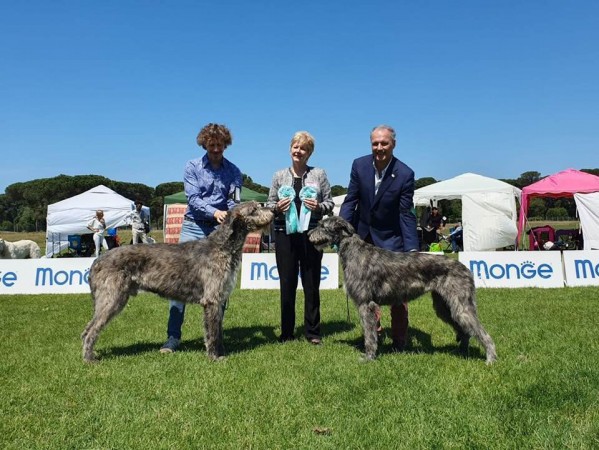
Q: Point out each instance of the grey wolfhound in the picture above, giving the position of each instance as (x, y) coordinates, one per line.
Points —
(377, 276)
(201, 272)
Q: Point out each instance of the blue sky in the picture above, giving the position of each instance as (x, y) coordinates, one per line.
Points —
(121, 88)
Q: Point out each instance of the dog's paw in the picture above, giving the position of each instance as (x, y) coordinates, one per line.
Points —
(490, 360)
(364, 358)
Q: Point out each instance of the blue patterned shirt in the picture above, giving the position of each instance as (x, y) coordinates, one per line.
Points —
(209, 190)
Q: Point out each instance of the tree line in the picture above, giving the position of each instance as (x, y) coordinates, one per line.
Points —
(24, 206)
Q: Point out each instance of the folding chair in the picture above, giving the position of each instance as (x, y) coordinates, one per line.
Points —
(75, 244)
(537, 236)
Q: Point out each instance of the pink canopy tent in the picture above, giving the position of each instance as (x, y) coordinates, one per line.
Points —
(562, 184)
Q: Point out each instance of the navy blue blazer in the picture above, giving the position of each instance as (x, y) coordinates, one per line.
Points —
(388, 217)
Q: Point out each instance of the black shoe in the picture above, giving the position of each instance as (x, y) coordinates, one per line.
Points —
(286, 338)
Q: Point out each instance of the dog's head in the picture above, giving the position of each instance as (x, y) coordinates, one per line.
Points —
(250, 215)
(330, 231)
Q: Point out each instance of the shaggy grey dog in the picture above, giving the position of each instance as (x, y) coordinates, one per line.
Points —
(374, 275)
(24, 249)
(201, 272)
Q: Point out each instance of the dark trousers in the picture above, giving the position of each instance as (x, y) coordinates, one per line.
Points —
(399, 322)
(294, 251)
(399, 317)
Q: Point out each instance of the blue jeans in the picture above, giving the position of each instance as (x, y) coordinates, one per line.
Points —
(455, 247)
(190, 231)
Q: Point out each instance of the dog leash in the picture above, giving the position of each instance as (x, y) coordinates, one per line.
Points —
(347, 304)
(335, 247)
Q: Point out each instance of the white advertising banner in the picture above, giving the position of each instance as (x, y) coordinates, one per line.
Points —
(259, 271)
(515, 269)
(45, 276)
(581, 267)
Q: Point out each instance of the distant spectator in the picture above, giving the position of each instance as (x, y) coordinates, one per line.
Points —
(456, 237)
(98, 226)
(435, 220)
(140, 224)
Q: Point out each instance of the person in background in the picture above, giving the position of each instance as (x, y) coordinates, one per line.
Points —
(139, 221)
(98, 225)
(380, 203)
(300, 196)
(435, 220)
(212, 186)
(456, 237)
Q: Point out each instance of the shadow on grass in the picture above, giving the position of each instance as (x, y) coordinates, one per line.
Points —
(336, 327)
(418, 342)
(243, 339)
(237, 340)
(129, 350)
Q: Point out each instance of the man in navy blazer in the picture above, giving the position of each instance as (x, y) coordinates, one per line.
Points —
(379, 204)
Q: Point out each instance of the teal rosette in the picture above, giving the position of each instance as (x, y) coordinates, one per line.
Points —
(307, 192)
(291, 220)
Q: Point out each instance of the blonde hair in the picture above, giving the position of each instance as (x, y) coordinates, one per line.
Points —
(303, 138)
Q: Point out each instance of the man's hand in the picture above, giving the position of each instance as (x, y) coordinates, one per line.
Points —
(220, 216)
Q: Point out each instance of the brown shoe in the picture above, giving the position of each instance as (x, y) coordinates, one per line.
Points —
(316, 341)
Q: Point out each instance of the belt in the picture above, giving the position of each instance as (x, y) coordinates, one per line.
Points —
(201, 222)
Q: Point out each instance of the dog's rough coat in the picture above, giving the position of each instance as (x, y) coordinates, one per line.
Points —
(24, 249)
(202, 272)
(374, 275)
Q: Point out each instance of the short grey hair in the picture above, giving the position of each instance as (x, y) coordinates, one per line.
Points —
(385, 127)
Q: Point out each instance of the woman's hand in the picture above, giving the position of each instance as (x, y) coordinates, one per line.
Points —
(311, 204)
(283, 204)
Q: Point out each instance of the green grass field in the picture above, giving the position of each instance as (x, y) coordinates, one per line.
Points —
(543, 392)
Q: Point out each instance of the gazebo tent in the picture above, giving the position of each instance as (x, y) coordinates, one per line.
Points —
(246, 195)
(338, 201)
(488, 208)
(588, 211)
(561, 184)
(72, 215)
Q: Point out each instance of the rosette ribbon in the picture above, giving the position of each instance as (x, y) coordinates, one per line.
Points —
(291, 221)
(307, 192)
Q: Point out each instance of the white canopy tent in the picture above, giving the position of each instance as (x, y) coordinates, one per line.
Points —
(588, 212)
(338, 202)
(489, 212)
(72, 215)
